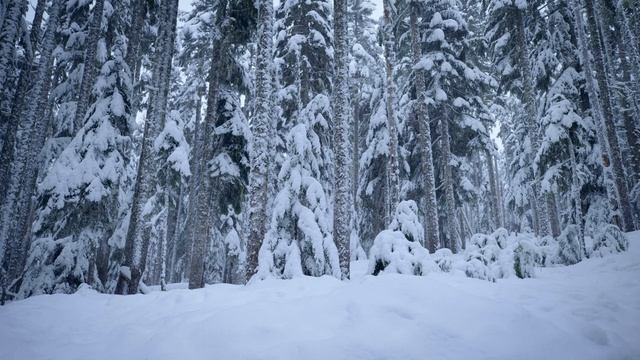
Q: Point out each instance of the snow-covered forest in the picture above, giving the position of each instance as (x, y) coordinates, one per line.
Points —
(154, 145)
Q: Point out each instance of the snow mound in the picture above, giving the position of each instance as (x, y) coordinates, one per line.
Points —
(586, 311)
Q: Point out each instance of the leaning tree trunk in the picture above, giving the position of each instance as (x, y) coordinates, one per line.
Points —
(430, 206)
(260, 159)
(393, 168)
(342, 202)
(90, 70)
(603, 96)
(139, 231)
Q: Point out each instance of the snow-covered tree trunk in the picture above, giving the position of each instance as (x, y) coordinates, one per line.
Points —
(134, 34)
(494, 202)
(260, 132)
(530, 112)
(9, 34)
(603, 96)
(430, 207)
(202, 195)
(452, 232)
(341, 111)
(552, 212)
(575, 195)
(17, 205)
(90, 69)
(393, 168)
(139, 231)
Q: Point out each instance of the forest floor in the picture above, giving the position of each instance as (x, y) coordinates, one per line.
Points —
(587, 311)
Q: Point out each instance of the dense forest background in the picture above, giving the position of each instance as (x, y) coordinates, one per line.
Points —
(141, 145)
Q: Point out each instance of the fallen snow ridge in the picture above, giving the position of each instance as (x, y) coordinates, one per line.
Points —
(587, 311)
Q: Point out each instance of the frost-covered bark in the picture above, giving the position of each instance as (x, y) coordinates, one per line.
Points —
(430, 207)
(494, 200)
(139, 231)
(90, 69)
(600, 97)
(393, 168)
(342, 203)
(452, 235)
(16, 205)
(9, 34)
(260, 132)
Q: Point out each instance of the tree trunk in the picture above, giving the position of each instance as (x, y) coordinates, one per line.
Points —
(452, 233)
(342, 206)
(393, 168)
(90, 70)
(606, 116)
(139, 231)
(17, 205)
(430, 206)
(493, 188)
(260, 159)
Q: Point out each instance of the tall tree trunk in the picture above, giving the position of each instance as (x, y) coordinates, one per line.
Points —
(342, 205)
(575, 195)
(452, 233)
(260, 159)
(9, 34)
(529, 101)
(606, 116)
(202, 196)
(139, 231)
(430, 206)
(552, 211)
(493, 189)
(90, 68)
(17, 205)
(393, 168)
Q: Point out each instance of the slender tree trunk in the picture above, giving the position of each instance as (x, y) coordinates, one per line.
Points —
(9, 34)
(453, 233)
(139, 231)
(90, 68)
(393, 168)
(260, 159)
(17, 205)
(493, 188)
(603, 97)
(552, 211)
(575, 195)
(430, 206)
(342, 202)
(202, 196)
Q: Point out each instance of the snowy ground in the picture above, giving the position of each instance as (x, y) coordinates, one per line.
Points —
(587, 311)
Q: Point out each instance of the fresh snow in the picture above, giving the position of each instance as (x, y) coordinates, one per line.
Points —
(587, 311)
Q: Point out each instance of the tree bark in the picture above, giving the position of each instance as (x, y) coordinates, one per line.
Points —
(430, 206)
(342, 206)
(260, 159)
(90, 68)
(393, 168)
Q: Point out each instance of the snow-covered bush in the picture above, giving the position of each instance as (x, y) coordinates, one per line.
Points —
(548, 250)
(444, 259)
(570, 250)
(488, 257)
(397, 249)
(525, 257)
(608, 241)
